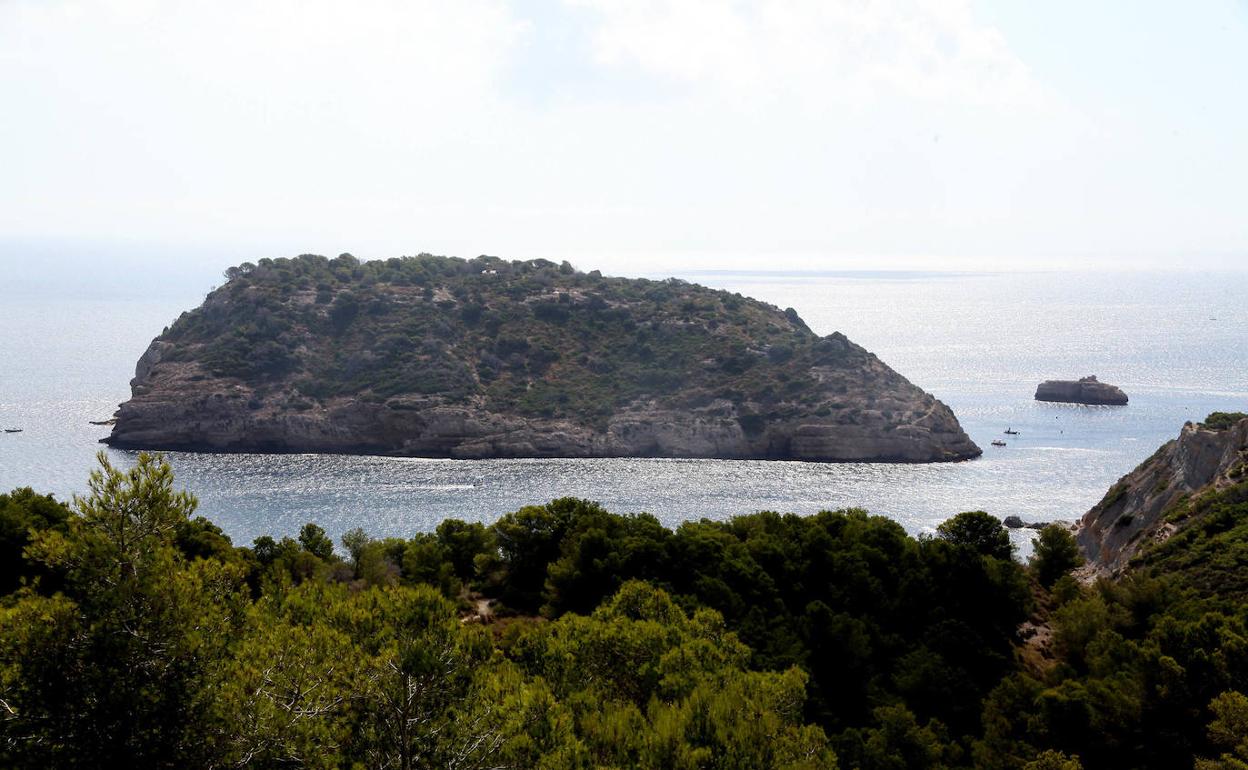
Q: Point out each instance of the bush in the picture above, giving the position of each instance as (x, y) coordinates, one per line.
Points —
(979, 531)
(1223, 420)
(1056, 554)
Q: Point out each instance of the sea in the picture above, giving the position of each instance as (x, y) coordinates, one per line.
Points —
(1175, 341)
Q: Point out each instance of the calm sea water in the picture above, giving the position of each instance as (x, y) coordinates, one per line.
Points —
(1177, 343)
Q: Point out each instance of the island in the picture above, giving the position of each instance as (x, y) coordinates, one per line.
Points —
(1086, 390)
(443, 357)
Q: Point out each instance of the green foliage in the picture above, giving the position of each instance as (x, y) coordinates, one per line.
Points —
(1054, 554)
(637, 646)
(23, 513)
(1136, 661)
(1229, 732)
(354, 541)
(314, 540)
(1223, 420)
(1053, 760)
(283, 686)
(652, 687)
(1209, 551)
(463, 543)
(980, 532)
(528, 541)
(599, 551)
(1116, 494)
(864, 609)
(899, 742)
(425, 560)
(531, 337)
(329, 677)
(133, 634)
(378, 564)
(117, 668)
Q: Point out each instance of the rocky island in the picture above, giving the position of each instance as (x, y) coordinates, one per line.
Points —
(485, 358)
(1086, 390)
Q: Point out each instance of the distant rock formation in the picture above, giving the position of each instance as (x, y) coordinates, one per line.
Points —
(1016, 522)
(438, 357)
(1086, 390)
(1206, 457)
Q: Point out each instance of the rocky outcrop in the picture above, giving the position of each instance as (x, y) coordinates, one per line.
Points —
(1016, 522)
(784, 394)
(1140, 509)
(1086, 390)
(228, 421)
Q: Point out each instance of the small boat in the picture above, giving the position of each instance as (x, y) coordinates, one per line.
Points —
(1011, 432)
(110, 421)
(12, 430)
(998, 442)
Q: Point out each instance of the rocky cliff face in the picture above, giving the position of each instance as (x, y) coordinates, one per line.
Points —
(1086, 390)
(476, 359)
(1144, 508)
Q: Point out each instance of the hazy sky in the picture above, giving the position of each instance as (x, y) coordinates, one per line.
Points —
(629, 135)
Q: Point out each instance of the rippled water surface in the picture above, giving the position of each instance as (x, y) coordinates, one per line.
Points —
(1177, 343)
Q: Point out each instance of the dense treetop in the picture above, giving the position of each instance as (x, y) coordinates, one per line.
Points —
(567, 636)
(1222, 420)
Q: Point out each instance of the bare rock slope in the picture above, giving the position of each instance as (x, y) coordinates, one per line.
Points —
(436, 357)
(1150, 504)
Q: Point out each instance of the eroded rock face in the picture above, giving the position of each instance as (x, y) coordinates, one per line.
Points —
(1086, 390)
(841, 402)
(1133, 513)
(173, 409)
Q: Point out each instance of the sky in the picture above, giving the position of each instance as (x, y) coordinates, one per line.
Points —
(632, 136)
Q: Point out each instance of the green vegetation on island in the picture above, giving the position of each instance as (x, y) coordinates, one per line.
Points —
(1222, 420)
(566, 636)
(534, 337)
